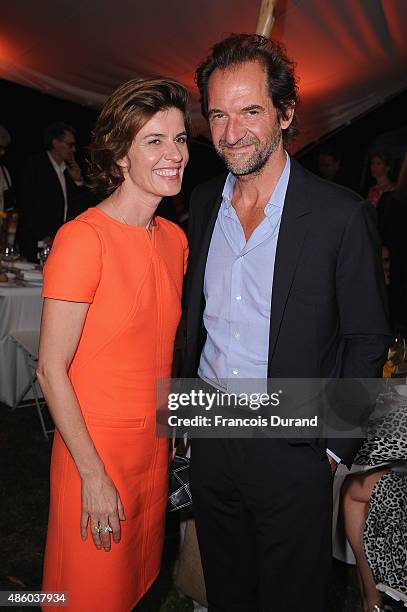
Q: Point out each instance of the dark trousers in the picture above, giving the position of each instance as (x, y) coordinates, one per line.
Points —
(263, 511)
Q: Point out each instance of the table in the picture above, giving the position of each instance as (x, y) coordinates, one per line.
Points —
(20, 309)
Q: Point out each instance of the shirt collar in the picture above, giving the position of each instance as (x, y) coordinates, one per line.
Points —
(227, 192)
(276, 199)
(58, 167)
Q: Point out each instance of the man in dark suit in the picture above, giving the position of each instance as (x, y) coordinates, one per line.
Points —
(52, 190)
(284, 281)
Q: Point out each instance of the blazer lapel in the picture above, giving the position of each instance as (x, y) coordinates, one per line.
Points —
(203, 240)
(293, 229)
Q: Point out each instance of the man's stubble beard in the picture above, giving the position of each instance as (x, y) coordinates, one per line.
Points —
(257, 160)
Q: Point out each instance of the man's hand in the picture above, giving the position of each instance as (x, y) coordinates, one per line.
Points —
(332, 463)
(75, 171)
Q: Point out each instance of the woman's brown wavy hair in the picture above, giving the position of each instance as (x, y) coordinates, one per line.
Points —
(126, 111)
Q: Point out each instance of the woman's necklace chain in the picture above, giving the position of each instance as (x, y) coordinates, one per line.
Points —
(117, 212)
(148, 227)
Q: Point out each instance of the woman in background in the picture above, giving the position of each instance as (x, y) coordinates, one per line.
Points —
(392, 223)
(112, 289)
(380, 166)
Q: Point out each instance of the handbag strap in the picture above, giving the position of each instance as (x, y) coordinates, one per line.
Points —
(182, 443)
(173, 446)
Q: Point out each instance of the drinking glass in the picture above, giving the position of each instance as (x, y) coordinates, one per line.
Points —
(9, 255)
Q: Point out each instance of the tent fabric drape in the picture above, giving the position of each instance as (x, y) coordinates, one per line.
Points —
(351, 54)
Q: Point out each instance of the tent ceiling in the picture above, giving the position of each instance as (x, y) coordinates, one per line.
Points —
(351, 54)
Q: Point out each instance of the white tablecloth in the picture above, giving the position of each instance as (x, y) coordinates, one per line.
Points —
(20, 309)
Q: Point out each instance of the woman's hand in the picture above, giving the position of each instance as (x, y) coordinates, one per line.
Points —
(102, 509)
(61, 329)
(333, 464)
(74, 170)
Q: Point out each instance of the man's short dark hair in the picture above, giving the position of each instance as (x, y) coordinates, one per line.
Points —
(331, 152)
(241, 48)
(56, 131)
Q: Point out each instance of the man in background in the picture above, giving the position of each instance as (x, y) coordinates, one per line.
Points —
(5, 180)
(52, 190)
(329, 163)
(329, 167)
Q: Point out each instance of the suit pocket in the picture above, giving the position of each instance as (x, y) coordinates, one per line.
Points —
(309, 298)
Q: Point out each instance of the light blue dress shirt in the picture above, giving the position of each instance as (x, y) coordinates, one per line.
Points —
(237, 288)
(238, 292)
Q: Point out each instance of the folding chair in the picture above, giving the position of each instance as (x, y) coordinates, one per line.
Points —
(27, 341)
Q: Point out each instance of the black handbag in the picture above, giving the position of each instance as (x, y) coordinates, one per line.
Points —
(179, 492)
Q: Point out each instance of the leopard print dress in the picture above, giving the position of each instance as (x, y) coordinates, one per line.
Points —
(385, 534)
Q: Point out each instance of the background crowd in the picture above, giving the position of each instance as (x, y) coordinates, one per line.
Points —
(43, 176)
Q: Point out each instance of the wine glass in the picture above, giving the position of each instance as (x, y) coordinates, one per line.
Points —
(10, 254)
(399, 351)
(43, 253)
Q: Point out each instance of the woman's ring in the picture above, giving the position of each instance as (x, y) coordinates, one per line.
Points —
(96, 528)
(106, 529)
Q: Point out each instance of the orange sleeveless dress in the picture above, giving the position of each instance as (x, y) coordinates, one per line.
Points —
(133, 283)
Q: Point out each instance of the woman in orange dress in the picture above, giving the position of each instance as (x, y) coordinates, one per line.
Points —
(112, 289)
